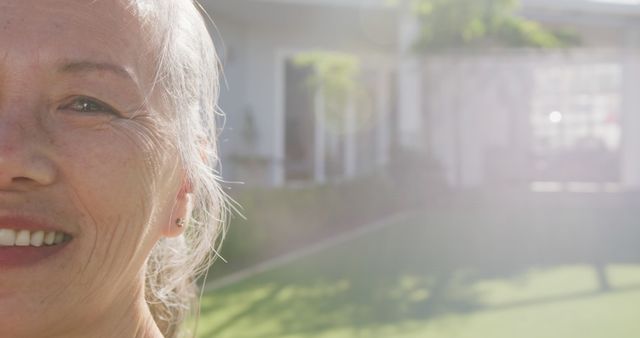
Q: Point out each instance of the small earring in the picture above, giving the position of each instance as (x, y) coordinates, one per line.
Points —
(180, 222)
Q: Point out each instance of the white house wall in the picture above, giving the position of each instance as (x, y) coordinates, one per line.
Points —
(259, 39)
(254, 73)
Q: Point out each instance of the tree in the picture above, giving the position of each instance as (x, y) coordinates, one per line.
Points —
(336, 75)
(476, 24)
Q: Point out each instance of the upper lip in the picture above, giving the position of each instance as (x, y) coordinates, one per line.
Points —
(19, 222)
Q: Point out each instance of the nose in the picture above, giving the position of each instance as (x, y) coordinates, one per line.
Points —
(22, 163)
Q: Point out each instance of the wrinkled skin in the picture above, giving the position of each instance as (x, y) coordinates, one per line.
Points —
(81, 148)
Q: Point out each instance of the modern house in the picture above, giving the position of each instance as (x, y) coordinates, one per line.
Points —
(517, 116)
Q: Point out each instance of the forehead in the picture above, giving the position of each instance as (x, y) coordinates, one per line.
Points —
(45, 31)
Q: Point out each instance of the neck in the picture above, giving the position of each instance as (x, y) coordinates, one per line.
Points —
(147, 329)
(137, 322)
(142, 327)
(134, 320)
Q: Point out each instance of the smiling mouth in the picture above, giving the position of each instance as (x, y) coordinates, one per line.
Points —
(28, 238)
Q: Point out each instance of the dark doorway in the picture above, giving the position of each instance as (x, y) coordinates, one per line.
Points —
(299, 124)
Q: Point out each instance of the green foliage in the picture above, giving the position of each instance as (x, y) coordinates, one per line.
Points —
(335, 74)
(475, 24)
(333, 71)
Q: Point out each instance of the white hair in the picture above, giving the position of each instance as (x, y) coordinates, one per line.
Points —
(187, 77)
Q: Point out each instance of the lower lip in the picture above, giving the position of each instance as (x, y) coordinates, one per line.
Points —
(24, 256)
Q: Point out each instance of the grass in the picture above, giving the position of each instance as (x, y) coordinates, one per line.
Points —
(472, 272)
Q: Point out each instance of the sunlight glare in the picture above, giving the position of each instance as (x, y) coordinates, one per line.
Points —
(555, 117)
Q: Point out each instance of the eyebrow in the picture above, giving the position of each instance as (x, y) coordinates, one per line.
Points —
(90, 66)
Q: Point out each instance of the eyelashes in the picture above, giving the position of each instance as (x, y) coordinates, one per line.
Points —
(89, 106)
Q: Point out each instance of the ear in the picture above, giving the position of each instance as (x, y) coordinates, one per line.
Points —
(181, 212)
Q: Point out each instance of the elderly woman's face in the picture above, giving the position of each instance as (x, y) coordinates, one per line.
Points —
(81, 153)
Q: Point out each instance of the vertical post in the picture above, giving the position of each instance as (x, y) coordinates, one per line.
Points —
(457, 138)
(409, 80)
(320, 174)
(630, 156)
(382, 109)
(279, 157)
(350, 149)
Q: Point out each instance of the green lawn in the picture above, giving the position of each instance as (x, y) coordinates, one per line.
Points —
(464, 273)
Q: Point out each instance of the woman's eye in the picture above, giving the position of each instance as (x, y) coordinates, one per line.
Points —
(88, 105)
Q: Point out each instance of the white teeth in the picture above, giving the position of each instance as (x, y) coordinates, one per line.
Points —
(37, 238)
(49, 238)
(10, 237)
(7, 237)
(22, 238)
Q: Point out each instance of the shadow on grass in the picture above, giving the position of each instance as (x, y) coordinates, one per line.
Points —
(446, 262)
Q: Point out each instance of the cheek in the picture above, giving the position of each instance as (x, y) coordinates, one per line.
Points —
(114, 165)
(110, 177)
